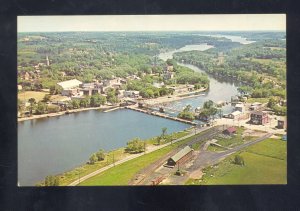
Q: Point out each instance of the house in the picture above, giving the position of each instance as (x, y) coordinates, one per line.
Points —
(255, 106)
(158, 85)
(89, 89)
(131, 94)
(235, 115)
(281, 123)
(180, 157)
(170, 68)
(239, 107)
(259, 118)
(204, 117)
(70, 87)
(20, 87)
(168, 75)
(229, 131)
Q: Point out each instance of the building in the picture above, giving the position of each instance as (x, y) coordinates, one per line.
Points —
(239, 107)
(70, 87)
(20, 87)
(47, 61)
(168, 75)
(281, 123)
(131, 94)
(235, 115)
(180, 157)
(259, 118)
(89, 89)
(255, 106)
(229, 131)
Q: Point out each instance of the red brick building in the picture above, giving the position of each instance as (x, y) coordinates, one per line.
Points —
(259, 118)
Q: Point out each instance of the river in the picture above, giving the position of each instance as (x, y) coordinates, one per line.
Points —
(53, 145)
(219, 89)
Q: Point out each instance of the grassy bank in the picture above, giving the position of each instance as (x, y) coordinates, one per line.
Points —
(116, 155)
(265, 163)
(122, 174)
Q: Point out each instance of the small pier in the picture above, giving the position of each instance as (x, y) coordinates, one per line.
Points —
(155, 113)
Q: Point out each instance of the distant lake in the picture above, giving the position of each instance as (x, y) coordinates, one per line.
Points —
(53, 145)
(238, 39)
(200, 47)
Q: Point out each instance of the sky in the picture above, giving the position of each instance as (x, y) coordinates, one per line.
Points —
(238, 22)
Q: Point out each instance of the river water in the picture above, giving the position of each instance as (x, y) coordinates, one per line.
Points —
(57, 144)
(219, 89)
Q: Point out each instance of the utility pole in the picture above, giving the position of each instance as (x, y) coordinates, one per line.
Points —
(114, 159)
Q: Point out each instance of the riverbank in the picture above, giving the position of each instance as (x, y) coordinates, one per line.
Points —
(108, 108)
(113, 158)
(180, 96)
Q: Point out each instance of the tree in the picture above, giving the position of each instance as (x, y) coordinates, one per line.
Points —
(111, 96)
(21, 105)
(136, 145)
(41, 108)
(52, 181)
(100, 155)
(46, 98)
(93, 159)
(208, 104)
(75, 103)
(32, 103)
(239, 160)
(163, 132)
(84, 102)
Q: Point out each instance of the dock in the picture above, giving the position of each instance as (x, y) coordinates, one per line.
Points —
(155, 113)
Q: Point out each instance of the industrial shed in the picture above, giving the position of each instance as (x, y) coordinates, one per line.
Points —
(181, 156)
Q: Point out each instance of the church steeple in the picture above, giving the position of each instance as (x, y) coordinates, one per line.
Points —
(47, 61)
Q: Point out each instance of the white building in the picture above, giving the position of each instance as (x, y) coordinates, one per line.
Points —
(70, 87)
(235, 115)
(239, 107)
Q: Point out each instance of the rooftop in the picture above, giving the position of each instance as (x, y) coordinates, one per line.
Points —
(69, 84)
(236, 113)
(181, 153)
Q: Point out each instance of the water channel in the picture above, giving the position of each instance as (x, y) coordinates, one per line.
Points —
(57, 144)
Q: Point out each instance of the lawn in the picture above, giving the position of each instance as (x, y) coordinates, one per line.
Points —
(233, 141)
(38, 96)
(265, 163)
(259, 100)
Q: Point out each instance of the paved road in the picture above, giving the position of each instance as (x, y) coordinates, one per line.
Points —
(130, 157)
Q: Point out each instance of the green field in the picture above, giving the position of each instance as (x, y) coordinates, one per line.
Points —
(265, 163)
(123, 173)
(25, 96)
(258, 100)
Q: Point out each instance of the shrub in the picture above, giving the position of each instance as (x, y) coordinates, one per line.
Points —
(239, 160)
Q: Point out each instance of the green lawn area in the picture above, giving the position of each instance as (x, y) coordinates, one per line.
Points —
(215, 148)
(265, 163)
(259, 100)
(168, 137)
(122, 174)
(38, 96)
(233, 141)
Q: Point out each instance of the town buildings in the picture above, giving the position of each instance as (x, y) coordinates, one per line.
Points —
(180, 157)
(259, 118)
